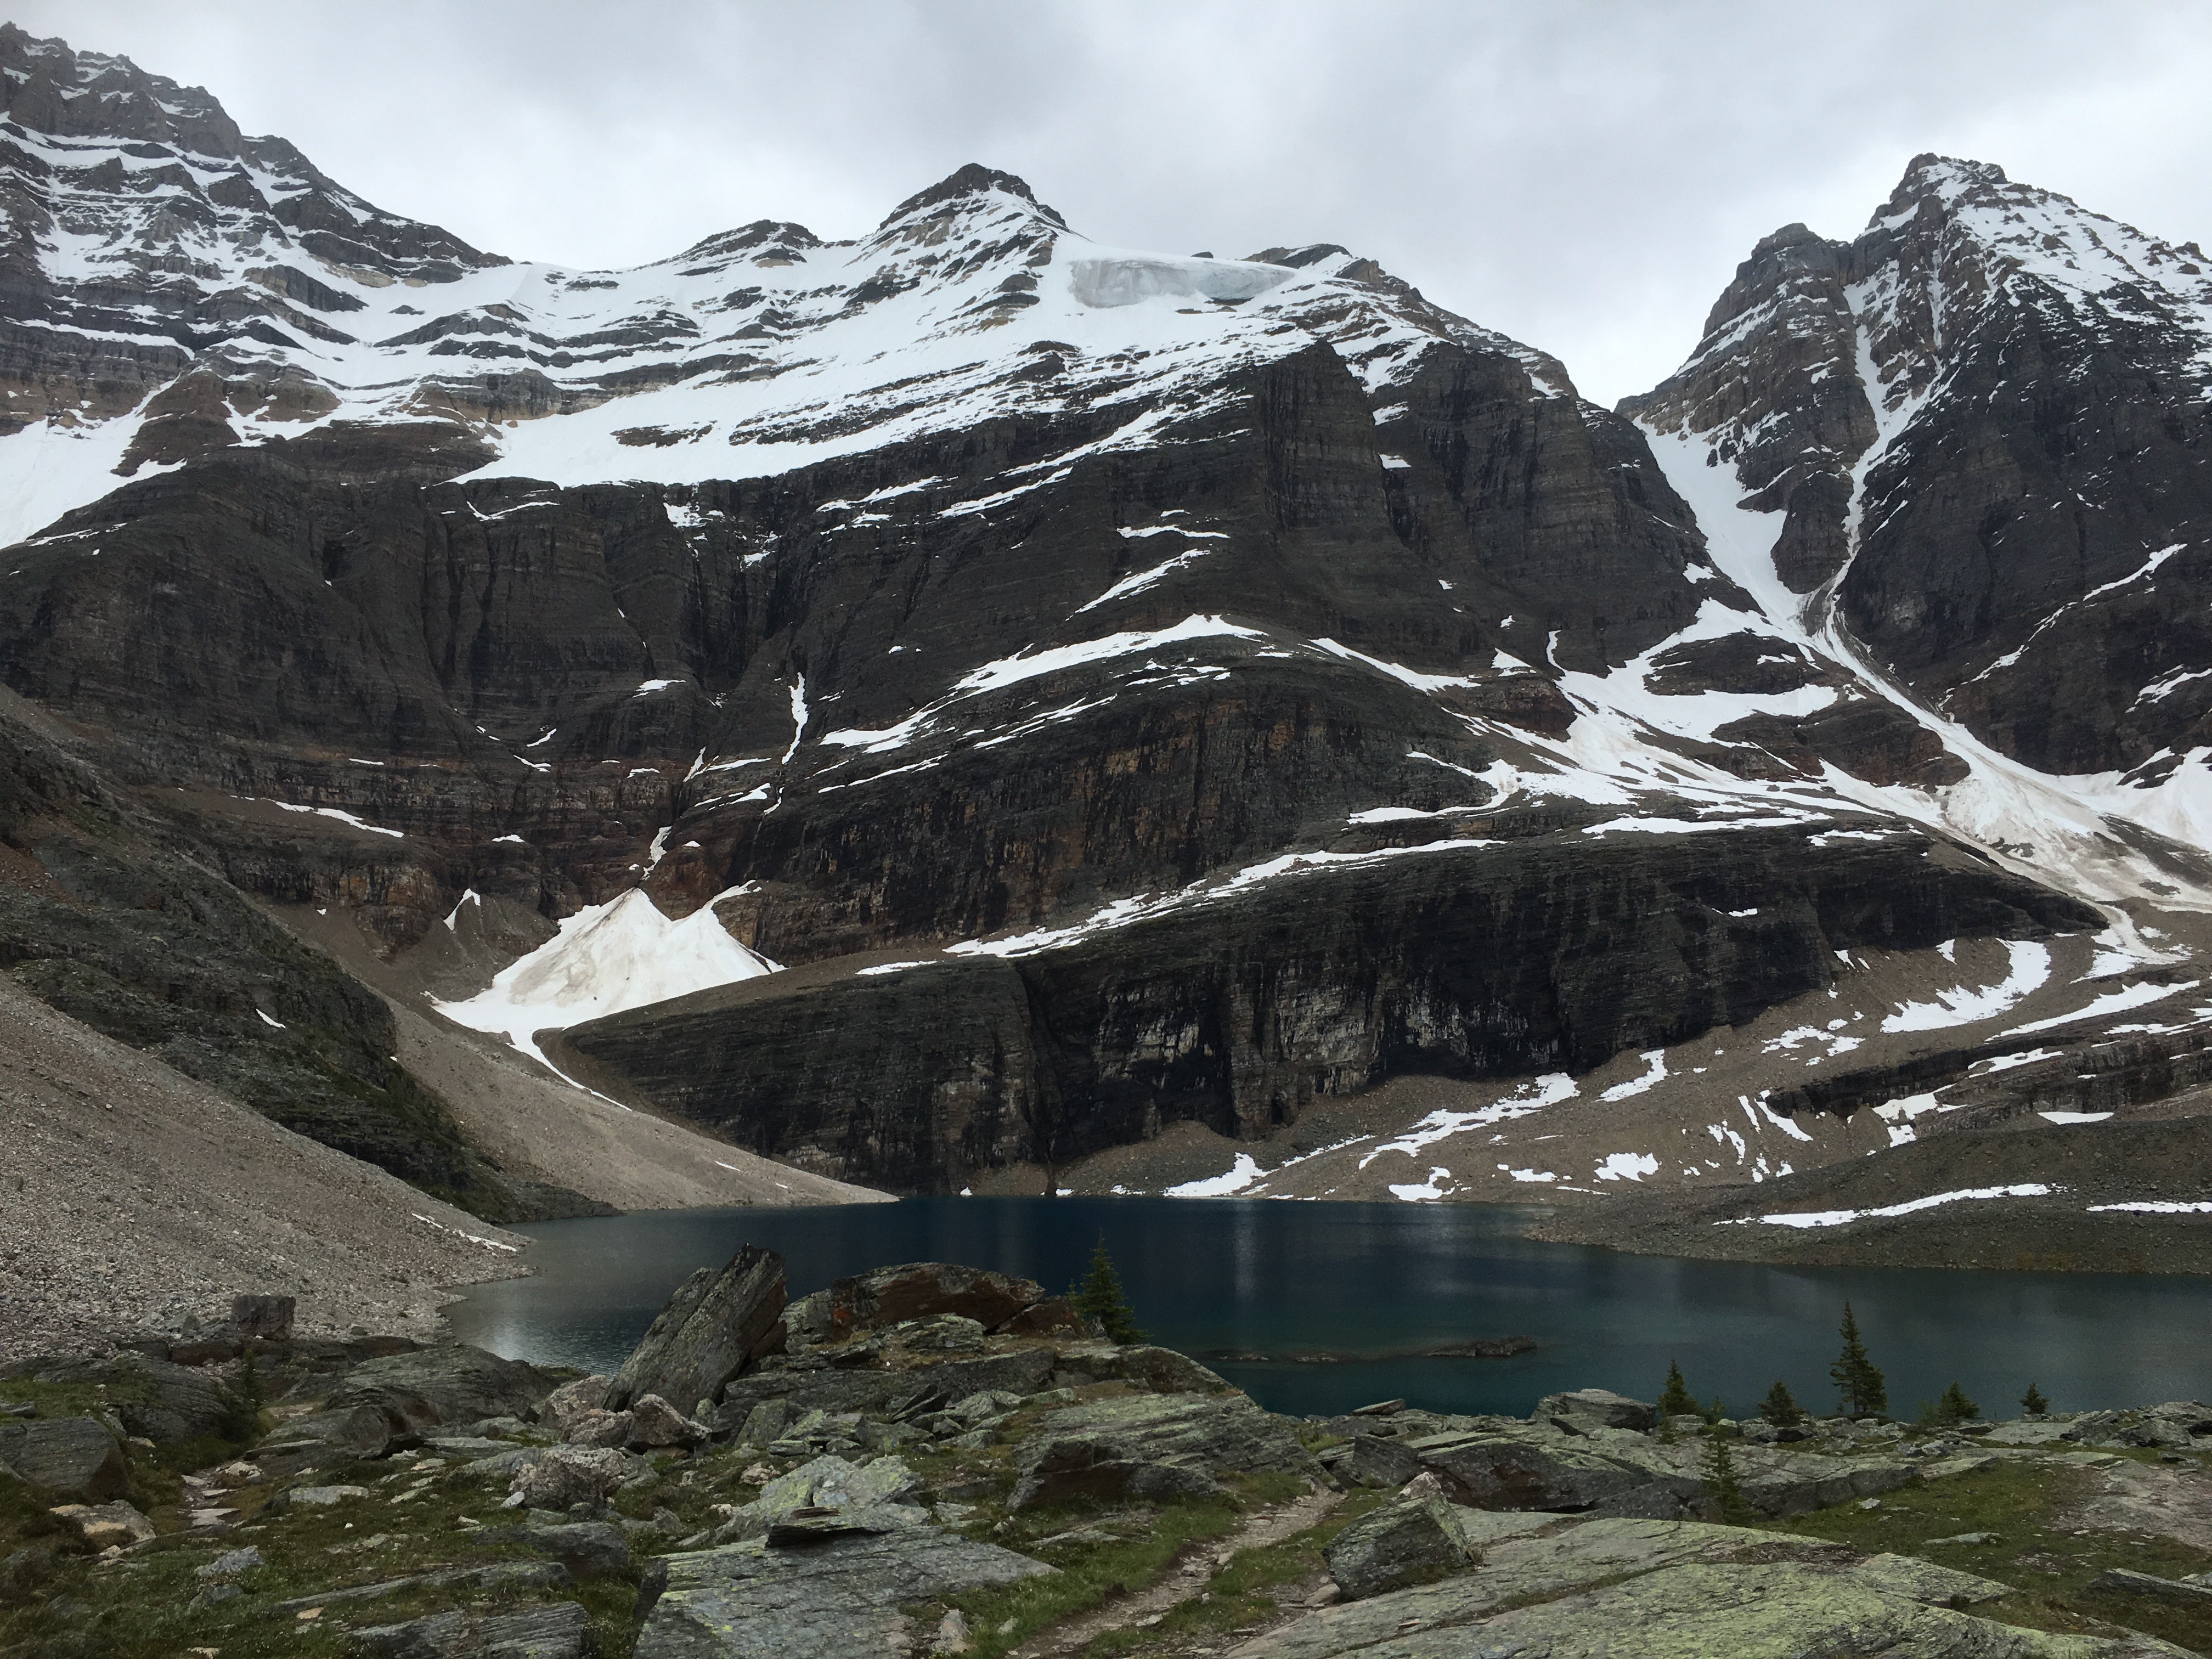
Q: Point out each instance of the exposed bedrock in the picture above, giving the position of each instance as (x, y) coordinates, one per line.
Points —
(1516, 957)
(524, 680)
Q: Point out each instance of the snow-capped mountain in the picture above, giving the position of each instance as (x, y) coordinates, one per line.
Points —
(1976, 433)
(1095, 690)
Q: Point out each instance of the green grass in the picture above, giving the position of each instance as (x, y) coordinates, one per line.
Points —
(140, 1608)
(1238, 1595)
(2048, 1564)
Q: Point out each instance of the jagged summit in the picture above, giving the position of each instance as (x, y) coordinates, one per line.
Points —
(1961, 452)
(973, 180)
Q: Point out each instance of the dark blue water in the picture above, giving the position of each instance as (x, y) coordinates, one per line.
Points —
(1253, 1275)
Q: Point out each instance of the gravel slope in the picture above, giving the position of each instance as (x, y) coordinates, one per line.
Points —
(131, 1196)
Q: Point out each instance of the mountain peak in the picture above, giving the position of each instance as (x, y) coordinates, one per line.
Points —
(973, 180)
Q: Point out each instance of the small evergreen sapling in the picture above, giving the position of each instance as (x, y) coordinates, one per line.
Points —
(1859, 1382)
(1097, 1295)
(1721, 1483)
(2032, 1401)
(1675, 1400)
(1779, 1409)
(1954, 1408)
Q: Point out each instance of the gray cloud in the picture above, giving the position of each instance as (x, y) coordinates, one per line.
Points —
(1585, 176)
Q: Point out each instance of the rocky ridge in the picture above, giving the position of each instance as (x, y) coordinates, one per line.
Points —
(1012, 637)
(934, 1458)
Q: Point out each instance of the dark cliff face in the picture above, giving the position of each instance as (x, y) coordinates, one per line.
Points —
(1534, 951)
(1988, 416)
(1236, 682)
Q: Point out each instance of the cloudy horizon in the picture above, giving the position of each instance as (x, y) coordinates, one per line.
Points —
(1585, 180)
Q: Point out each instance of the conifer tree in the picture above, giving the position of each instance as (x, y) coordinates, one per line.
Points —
(2032, 1401)
(1675, 1400)
(1859, 1382)
(1721, 1483)
(1955, 1407)
(1097, 1295)
(1780, 1409)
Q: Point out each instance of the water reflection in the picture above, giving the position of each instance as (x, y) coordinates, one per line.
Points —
(1254, 1276)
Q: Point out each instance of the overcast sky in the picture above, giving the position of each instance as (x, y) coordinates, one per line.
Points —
(1582, 176)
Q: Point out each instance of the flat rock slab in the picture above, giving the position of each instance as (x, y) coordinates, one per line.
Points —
(1020, 1371)
(1213, 1431)
(1658, 1589)
(562, 1630)
(831, 1600)
(1568, 1557)
(2179, 1592)
(497, 1576)
(1775, 1610)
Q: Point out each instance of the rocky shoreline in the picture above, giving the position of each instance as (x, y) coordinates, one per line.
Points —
(931, 1458)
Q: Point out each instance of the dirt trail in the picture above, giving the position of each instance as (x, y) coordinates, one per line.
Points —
(1188, 1576)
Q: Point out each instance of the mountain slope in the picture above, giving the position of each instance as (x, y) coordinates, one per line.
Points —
(1119, 696)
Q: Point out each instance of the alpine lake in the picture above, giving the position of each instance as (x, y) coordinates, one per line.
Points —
(1323, 1307)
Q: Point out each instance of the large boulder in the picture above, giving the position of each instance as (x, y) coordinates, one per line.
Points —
(1586, 1408)
(71, 1454)
(154, 1398)
(1489, 1469)
(1415, 1537)
(827, 1496)
(1100, 1468)
(1151, 1446)
(914, 1289)
(266, 1318)
(173, 1403)
(572, 1404)
(563, 1476)
(450, 1383)
(715, 1325)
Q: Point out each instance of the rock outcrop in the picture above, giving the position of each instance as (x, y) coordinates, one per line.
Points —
(716, 1324)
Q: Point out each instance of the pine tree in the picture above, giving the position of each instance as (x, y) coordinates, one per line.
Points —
(1859, 1382)
(1779, 1409)
(1097, 1295)
(1721, 1483)
(1955, 1407)
(1675, 1400)
(2032, 1401)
